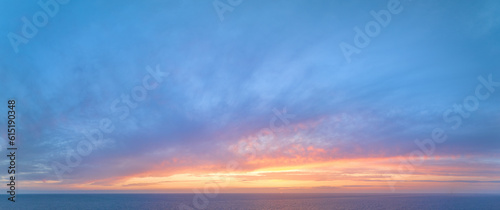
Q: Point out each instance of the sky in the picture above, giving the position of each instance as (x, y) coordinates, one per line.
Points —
(252, 96)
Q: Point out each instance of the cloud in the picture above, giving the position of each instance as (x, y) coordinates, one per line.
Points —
(227, 78)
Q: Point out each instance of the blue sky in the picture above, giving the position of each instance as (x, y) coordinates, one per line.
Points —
(226, 77)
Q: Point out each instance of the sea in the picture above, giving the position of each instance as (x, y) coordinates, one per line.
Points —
(253, 201)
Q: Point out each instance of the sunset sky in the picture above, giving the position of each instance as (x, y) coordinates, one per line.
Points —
(166, 96)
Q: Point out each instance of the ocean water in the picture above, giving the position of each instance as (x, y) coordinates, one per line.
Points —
(254, 201)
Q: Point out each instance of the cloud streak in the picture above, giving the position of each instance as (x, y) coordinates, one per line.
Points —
(353, 121)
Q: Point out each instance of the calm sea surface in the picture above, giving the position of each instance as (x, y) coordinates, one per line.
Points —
(254, 201)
